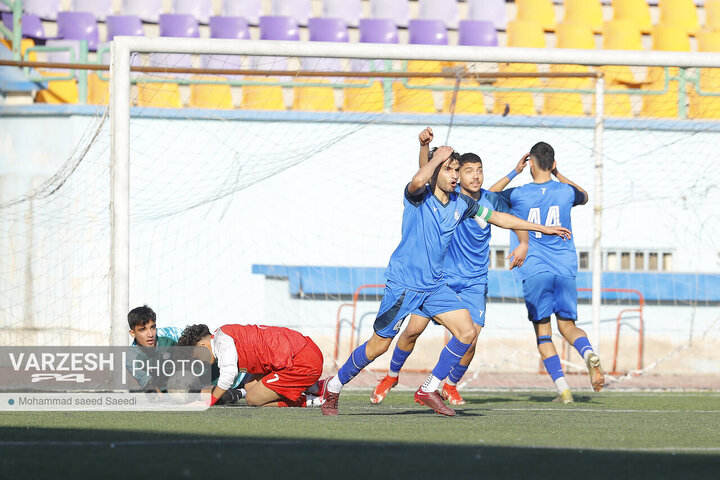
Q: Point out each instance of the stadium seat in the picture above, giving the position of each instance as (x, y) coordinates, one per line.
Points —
(207, 95)
(98, 90)
(279, 28)
(78, 26)
(444, 10)
(147, 10)
(45, 9)
(229, 27)
(300, 10)
(31, 25)
(378, 30)
(158, 95)
(99, 8)
(525, 34)
(636, 11)
(494, 11)
(585, 12)
(178, 25)
(478, 33)
(248, 9)
(704, 106)
(666, 38)
(620, 35)
(395, 10)
(200, 9)
(574, 35)
(538, 11)
(679, 13)
(348, 10)
(123, 25)
(712, 14)
(25, 43)
(60, 91)
(516, 102)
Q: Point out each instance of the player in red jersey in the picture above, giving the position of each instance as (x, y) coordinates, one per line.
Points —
(286, 363)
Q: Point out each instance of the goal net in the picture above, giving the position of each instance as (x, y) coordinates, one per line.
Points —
(261, 182)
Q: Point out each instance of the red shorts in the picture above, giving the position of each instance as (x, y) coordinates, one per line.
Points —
(306, 370)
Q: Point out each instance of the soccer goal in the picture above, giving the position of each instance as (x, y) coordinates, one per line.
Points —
(261, 182)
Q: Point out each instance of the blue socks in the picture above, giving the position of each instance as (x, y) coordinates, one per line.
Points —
(582, 345)
(553, 367)
(398, 359)
(357, 361)
(450, 357)
(457, 373)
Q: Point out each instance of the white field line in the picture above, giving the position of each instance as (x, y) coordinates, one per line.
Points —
(602, 410)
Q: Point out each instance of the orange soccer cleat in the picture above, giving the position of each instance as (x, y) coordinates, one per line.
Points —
(381, 391)
(451, 395)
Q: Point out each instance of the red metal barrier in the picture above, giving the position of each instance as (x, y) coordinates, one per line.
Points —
(356, 295)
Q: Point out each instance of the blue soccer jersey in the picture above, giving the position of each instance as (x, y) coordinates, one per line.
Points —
(468, 256)
(549, 204)
(427, 228)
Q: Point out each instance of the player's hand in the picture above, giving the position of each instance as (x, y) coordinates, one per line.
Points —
(443, 153)
(425, 137)
(562, 232)
(522, 163)
(518, 255)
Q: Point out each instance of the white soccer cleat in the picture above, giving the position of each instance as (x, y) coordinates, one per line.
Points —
(597, 377)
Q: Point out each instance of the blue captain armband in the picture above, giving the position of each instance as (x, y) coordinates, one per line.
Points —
(482, 216)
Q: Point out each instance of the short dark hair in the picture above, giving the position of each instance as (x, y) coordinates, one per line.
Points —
(193, 334)
(544, 155)
(141, 316)
(469, 158)
(453, 155)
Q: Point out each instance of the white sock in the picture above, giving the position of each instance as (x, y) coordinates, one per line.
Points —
(561, 384)
(587, 353)
(312, 401)
(450, 382)
(334, 385)
(392, 374)
(242, 392)
(431, 384)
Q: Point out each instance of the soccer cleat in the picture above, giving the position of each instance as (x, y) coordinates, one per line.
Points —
(329, 405)
(434, 401)
(381, 391)
(564, 397)
(320, 387)
(597, 377)
(451, 395)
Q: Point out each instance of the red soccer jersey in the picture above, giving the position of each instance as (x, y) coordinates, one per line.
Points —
(264, 349)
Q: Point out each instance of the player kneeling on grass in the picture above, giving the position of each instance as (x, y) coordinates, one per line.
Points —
(287, 363)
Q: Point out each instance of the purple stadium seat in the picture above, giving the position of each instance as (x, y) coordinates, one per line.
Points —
(378, 30)
(78, 26)
(279, 28)
(494, 11)
(300, 10)
(427, 32)
(396, 10)
(327, 30)
(229, 27)
(123, 25)
(445, 10)
(99, 8)
(32, 26)
(147, 10)
(178, 25)
(479, 33)
(64, 56)
(4, 8)
(248, 9)
(47, 9)
(200, 9)
(348, 10)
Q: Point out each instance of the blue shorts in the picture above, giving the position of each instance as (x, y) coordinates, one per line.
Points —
(398, 302)
(546, 293)
(474, 296)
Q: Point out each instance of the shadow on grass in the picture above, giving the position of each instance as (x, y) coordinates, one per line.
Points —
(96, 453)
(549, 399)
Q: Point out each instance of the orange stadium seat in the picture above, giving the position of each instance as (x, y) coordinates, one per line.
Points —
(366, 99)
(679, 13)
(158, 95)
(712, 14)
(585, 12)
(636, 11)
(539, 11)
(620, 35)
(707, 106)
(666, 38)
(207, 95)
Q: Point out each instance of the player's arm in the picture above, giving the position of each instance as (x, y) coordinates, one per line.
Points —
(425, 137)
(505, 220)
(503, 182)
(518, 255)
(423, 176)
(227, 358)
(563, 179)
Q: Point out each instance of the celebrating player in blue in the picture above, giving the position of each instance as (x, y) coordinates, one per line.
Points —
(414, 276)
(465, 271)
(548, 274)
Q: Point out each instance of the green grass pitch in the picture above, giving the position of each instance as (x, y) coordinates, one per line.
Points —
(496, 435)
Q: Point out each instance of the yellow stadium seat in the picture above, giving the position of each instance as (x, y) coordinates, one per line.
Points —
(208, 95)
(665, 38)
(364, 99)
(620, 35)
(539, 11)
(516, 102)
(525, 34)
(679, 13)
(584, 12)
(25, 43)
(262, 97)
(566, 103)
(636, 11)
(314, 99)
(58, 91)
(98, 90)
(704, 106)
(574, 35)
(416, 100)
(712, 14)
(466, 102)
(158, 95)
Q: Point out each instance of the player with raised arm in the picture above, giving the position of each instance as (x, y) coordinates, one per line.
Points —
(548, 274)
(465, 271)
(288, 363)
(414, 276)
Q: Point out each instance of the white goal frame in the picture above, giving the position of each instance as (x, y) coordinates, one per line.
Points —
(123, 47)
